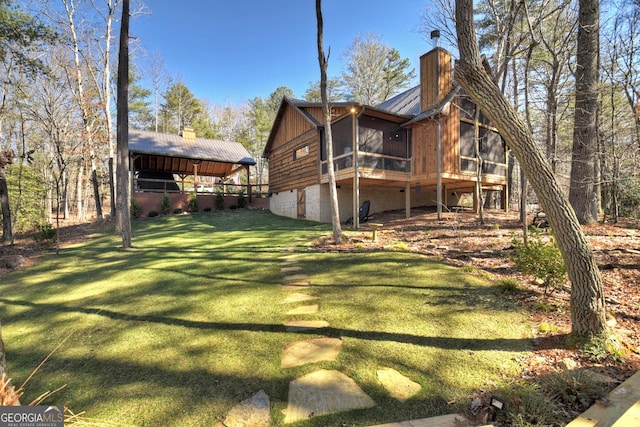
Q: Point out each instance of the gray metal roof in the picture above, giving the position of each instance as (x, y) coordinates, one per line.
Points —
(170, 145)
(405, 103)
(436, 109)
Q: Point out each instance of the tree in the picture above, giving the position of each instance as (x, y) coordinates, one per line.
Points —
(375, 72)
(122, 165)
(587, 294)
(140, 114)
(19, 32)
(328, 140)
(582, 193)
(179, 109)
(333, 91)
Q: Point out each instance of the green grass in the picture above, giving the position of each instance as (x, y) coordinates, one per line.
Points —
(186, 324)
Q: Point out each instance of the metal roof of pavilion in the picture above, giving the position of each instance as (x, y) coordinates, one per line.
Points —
(172, 153)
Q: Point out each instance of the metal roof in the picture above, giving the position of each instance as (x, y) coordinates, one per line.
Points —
(169, 145)
(405, 103)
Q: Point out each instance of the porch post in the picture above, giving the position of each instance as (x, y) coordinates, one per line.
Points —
(195, 177)
(356, 180)
(407, 199)
(249, 182)
(438, 171)
(476, 199)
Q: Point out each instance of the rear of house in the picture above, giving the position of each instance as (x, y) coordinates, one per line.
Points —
(419, 148)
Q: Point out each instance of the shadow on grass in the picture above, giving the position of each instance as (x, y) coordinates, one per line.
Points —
(506, 344)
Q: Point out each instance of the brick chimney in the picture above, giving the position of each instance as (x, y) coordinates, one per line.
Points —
(435, 77)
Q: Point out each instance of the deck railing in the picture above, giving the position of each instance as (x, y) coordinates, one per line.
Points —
(374, 161)
(149, 185)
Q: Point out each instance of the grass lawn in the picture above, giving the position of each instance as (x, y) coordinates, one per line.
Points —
(189, 322)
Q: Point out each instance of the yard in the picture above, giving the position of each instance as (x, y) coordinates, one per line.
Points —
(179, 329)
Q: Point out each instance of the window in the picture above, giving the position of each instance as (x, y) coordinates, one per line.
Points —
(301, 152)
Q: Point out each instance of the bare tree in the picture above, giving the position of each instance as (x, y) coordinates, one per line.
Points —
(123, 214)
(587, 294)
(582, 193)
(326, 110)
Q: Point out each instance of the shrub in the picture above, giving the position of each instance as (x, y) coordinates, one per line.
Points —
(541, 258)
(193, 203)
(219, 201)
(177, 211)
(165, 204)
(135, 209)
(242, 201)
(207, 209)
(45, 235)
(151, 214)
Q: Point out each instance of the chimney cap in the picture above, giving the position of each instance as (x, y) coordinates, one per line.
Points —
(435, 34)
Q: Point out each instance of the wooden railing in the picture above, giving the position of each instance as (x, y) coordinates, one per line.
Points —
(148, 185)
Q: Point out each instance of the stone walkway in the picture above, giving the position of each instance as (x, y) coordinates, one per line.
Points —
(322, 391)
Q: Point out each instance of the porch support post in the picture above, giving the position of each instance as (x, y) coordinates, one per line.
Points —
(407, 199)
(356, 178)
(195, 176)
(476, 199)
(249, 182)
(438, 171)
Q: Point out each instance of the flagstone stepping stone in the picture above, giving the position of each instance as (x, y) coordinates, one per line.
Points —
(451, 420)
(295, 277)
(303, 325)
(298, 297)
(252, 412)
(290, 269)
(304, 309)
(311, 351)
(288, 262)
(323, 392)
(295, 286)
(398, 386)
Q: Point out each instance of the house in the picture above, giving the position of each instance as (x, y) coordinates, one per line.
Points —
(415, 149)
(157, 159)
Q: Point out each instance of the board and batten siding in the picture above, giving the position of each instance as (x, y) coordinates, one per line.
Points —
(424, 145)
(286, 172)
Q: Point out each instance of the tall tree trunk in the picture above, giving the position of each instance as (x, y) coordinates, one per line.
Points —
(587, 295)
(6, 157)
(122, 172)
(585, 132)
(333, 192)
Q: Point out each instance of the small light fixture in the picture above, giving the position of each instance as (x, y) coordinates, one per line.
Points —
(353, 110)
(496, 403)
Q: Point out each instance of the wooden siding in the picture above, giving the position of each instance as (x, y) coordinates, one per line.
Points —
(286, 172)
(295, 132)
(316, 113)
(424, 145)
(435, 77)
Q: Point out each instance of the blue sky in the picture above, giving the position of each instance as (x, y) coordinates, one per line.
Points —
(230, 51)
